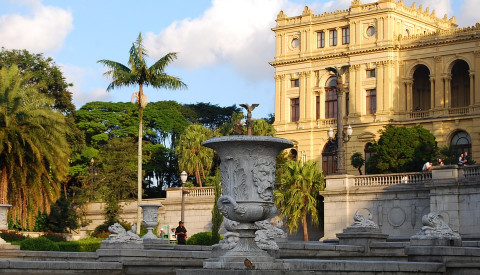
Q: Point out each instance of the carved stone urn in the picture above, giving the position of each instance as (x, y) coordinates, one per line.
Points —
(150, 219)
(3, 216)
(247, 175)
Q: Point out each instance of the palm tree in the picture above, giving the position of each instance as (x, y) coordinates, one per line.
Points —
(296, 197)
(194, 158)
(139, 74)
(34, 151)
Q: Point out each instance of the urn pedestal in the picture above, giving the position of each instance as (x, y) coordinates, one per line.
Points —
(247, 175)
(150, 219)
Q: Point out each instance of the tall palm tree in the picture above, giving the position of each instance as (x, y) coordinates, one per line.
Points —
(34, 151)
(194, 158)
(296, 197)
(137, 73)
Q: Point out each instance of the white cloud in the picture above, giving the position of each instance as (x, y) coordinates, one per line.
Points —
(77, 75)
(469, 13)
(43, 30)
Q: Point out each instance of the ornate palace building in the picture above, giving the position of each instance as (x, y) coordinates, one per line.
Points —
(406, 66)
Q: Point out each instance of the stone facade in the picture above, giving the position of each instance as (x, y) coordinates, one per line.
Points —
(406, 66)
(398, 207)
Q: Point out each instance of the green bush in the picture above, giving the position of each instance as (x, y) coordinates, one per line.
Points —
(202, 238)
(55, 237)
(12, 236)
(83, 245)
(39, 244)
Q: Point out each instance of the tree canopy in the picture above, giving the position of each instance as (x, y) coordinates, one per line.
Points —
(402, 149)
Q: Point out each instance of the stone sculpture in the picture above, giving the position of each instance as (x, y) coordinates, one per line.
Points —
(265, 237)
(150, 219)
(435, 228)
(359, 221)
(120, 235)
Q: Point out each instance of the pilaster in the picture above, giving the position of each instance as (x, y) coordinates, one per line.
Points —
(380, 87)
(477, 86)
(409, 84)
(438, 84)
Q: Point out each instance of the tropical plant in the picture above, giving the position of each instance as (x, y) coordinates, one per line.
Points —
(297, 195)
(139, 74)
(357, 161)
(34, 151)
(261, 127)
(194, 158)
(217, 217)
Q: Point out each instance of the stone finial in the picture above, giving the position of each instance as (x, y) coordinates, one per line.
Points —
(435, 228)
(281, 15)
(356, 3)
(420, 8)
(414, 5)
(307, 11)
(453, 20)
(445, 17)
(434, 13)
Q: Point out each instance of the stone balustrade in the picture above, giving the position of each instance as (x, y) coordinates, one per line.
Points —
(392, 179)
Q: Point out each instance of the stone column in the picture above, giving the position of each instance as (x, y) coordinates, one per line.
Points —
(409, 86)
(477, 85)
(307, 90)
(387, 86)
(322, 103)
(380, 87)
(283, 99)
(432, 91)
(302, 97)
(359, 109)
(472, 86)
(439, 90)
(447, 80)
(278, 98)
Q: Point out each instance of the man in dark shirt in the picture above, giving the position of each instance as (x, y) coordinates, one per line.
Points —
(181, 233)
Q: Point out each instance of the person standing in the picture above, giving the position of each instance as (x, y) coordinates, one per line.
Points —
(181, 233)
(440, 162)
(427, 166)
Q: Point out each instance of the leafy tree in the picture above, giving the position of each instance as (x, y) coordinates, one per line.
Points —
(43, 71)
(296, 197)
(211, 116)
(139, 74)
(194, 158)
(402, 149)
(357, 161)
(261, 127)
(62, 218)
(34, 151)
(233, 127)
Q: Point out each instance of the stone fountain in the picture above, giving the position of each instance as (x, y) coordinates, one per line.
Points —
(247, 176)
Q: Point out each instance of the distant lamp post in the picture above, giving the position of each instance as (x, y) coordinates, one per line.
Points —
(183, 178)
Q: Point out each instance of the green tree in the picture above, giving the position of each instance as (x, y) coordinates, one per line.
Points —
(296, 196)
(139, 74)
(357, 161)
(217, 217)
(261, 127)
(194, 158)
(211, 116)
(402, 149)
(34, 151)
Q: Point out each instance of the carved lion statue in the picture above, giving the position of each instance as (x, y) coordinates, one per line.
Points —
(435, 227)
(360, 221)
(120, 235)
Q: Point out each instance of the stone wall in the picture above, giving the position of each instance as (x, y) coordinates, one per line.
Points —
(198, 210)
(397, 202)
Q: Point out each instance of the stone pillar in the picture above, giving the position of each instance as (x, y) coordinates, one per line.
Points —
(283, 99)
(358, 90)
(302, 97)
(309, 103)
(439, 90)
(3, 216)
(387, 86)
(380, 87)
(409, 86)
(447, 81)
(322, 103)
(472, 86)
(432, 91)
(477, 85)
(278, 98)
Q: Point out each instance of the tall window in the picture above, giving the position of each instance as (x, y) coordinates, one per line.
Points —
(346, 35)
(320, 39)
(295, 83)
(370, 73)
(331, 98)
(295, 109)
(461, 142)
(371, 101)
(317, 105)
(329, 156)
(421, 88)
(333, 37)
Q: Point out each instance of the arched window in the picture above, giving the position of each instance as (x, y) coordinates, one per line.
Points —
(461, 142)
(460, 84)
(331, 98)
(421, 88)
(329, 158)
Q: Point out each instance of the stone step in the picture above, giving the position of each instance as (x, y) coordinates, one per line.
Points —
(59, 267)
(47, 255)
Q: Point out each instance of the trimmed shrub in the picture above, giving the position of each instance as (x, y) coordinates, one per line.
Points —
(55, 237)
(202, 238)
(39, 244)
(12, 236)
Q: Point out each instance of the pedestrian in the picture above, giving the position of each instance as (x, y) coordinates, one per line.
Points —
(440, 162)
(181, 233)
(427, 166)
(462, 159)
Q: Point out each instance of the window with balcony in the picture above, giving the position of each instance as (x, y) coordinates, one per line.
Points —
(294, 109)
(460, 84)
(333, 37)
(371, 101)
(421, 88)
(294, 83)
(321, 39)
(346, 35)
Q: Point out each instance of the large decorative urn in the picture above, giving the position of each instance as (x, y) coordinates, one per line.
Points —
(247, 175)
(150, 219)
(3, 216)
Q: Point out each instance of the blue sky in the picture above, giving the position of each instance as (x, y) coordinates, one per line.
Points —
(223, 46)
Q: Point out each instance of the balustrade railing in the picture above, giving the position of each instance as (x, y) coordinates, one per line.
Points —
(200, 192)
(392, 179)
(471, 171)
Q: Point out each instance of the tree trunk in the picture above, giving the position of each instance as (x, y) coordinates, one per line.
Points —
(199, 179)
(4, 187)
(139, 172)
(305, 229)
